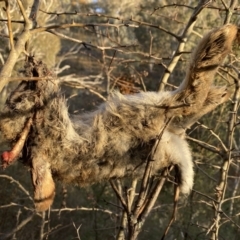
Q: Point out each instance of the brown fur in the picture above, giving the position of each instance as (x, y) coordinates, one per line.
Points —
(115, 140)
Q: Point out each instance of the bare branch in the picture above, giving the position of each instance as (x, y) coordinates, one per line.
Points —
(182, 42)
(19, 48)
(9, 24)
(19, 227)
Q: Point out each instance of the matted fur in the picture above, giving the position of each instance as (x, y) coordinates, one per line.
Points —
(115, 140)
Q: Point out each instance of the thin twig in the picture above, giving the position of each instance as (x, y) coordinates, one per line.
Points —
(20, 186)
(19, 227)
(176, 198)
(9, 24)
(120, 197)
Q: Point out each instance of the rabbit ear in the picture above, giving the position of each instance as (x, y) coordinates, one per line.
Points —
(205, 60)
(44, 186)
